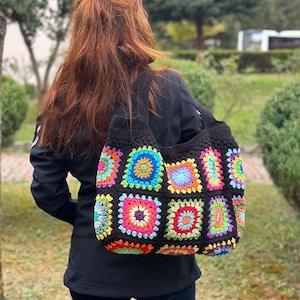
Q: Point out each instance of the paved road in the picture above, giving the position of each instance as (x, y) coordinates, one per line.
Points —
(16, 167)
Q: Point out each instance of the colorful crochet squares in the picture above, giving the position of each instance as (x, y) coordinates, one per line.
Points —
(108, 167)
(125, 247)
(103, 216)
(139, 216)
(239, 204)
(183, 177)
(220, 248)
(177, 250)
(144, 169)
(235, 168)
(220, 222)
(212, 168)
(184, 219)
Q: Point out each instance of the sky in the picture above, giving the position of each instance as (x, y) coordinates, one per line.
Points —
(16, 52)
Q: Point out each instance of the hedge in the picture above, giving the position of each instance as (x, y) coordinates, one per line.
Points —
(248, 61)
(279, 138)
(14, 108)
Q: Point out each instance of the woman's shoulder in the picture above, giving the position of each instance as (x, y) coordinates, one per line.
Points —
(169, 82)
(172, 84)
(169, 75)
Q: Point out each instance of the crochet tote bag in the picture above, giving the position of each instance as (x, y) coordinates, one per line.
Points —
(178, 200)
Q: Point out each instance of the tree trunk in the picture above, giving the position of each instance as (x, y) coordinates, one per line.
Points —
(34, 62)
(51, 61)
(200, 35)
(2, 35)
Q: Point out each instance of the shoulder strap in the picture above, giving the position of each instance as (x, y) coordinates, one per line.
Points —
(140, 96)
(207, 117)
(139, 99)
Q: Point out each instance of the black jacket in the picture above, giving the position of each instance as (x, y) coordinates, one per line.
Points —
(93, 270)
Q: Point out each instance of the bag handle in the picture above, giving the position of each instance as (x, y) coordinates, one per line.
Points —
(142, 85)
(140, 98)
(207, 117)
(139, 104)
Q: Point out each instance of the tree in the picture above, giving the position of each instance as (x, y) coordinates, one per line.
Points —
(278, 15)
(184, 31)
(32, 16)
(199, 11)
(2, 35)
(270, 14)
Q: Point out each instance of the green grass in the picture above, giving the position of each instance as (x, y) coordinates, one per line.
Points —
(34, 247)
(247, 94)
(265, 264)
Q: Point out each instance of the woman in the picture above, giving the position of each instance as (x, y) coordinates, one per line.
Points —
(111, 45)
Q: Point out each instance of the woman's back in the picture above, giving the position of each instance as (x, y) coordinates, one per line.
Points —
(92, 269)
(111, 44)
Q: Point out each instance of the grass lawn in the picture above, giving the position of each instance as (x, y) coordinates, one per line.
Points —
(34, 247)
(244, 97)
(265, 265)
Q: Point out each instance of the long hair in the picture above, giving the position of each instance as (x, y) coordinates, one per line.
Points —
(111, 41)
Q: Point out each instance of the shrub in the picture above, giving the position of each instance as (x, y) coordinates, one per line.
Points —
(257, 61)
(185, 54)
(292, 64)
(279, 138)
(14, 108)
(248, 61)
(30, 90)
(198, 80)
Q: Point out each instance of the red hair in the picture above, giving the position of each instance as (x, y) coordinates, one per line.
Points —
(111, 41)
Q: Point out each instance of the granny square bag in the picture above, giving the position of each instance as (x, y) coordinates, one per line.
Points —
(179, 200)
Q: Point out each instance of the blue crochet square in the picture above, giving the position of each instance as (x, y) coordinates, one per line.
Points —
(144, 169)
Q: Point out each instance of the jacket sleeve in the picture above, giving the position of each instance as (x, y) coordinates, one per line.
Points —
(49, 187)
